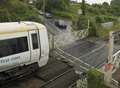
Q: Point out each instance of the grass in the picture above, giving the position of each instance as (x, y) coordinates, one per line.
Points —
(64, 14)
(15, 10)
(70, 13)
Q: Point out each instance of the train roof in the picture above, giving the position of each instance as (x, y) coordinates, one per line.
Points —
(9, 27)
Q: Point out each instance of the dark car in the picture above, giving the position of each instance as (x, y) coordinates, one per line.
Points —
(61, 24)
(46, 14)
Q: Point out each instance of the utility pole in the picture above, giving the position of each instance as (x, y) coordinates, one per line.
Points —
(83, 7)
(43, 10)
(44, 5)
(111, 43)
(109, 65)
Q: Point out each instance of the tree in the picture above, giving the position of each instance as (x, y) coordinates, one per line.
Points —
(105, 5)
(39, 4)
(93, 28)
(115, 6)
(54, 4)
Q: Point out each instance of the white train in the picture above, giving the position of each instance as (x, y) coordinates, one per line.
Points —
(22, 44)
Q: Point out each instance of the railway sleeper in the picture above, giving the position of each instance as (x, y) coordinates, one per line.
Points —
(17, 73)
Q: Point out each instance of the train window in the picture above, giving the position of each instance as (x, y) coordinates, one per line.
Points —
(13, 46)
(34, 41)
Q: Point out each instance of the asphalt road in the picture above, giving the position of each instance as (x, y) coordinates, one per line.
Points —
(94, 54)
(50, 27)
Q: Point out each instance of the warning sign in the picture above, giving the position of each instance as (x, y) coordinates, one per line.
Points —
(108, 67)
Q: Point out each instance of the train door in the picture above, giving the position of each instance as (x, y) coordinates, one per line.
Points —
(34, 45)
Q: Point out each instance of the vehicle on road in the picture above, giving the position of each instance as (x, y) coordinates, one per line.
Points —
(41, 12)
(46, 14)
(61, 24)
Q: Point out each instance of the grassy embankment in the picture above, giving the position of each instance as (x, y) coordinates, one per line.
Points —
(15, 10)
(70, 13)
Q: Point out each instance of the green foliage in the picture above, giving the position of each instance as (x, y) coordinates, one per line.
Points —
(54, 4)
(97, 9)
(105, 9)
(4, 15)
(115, 6)
(63, 14)
(39, 4)
(99, 19)
(15, 10)
(93, 28)
(95, 79)
(104, 32)
(102, 13)
(60, 8)
(110, 18)
(81, 23)
(104, 18)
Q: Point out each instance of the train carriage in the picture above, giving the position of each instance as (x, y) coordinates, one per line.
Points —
(23, 43)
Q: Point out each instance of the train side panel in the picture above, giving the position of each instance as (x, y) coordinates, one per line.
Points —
(14, 50)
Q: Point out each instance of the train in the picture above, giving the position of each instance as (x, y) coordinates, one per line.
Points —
(23, 44)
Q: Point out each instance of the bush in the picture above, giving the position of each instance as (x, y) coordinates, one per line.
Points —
(81, 23)
(103, 18)
(4, 15)
(63, 14)
(95, 79)
(110, 18)
(99, 19)
(93, 29)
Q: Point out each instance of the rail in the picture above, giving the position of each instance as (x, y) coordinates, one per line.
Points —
(76, 61)
(55, 78)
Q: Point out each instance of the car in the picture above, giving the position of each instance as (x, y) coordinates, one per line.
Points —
(48, 15)
(41, 12)
(61, 24)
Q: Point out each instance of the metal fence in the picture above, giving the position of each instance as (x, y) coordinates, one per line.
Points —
(113, 84)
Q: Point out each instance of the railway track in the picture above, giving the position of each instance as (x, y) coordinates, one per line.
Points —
(61, 81)
(56, 74)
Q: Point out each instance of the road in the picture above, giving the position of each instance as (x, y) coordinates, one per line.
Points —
(94, 54)
(62, 37)
(91, 53)
(49, 23)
